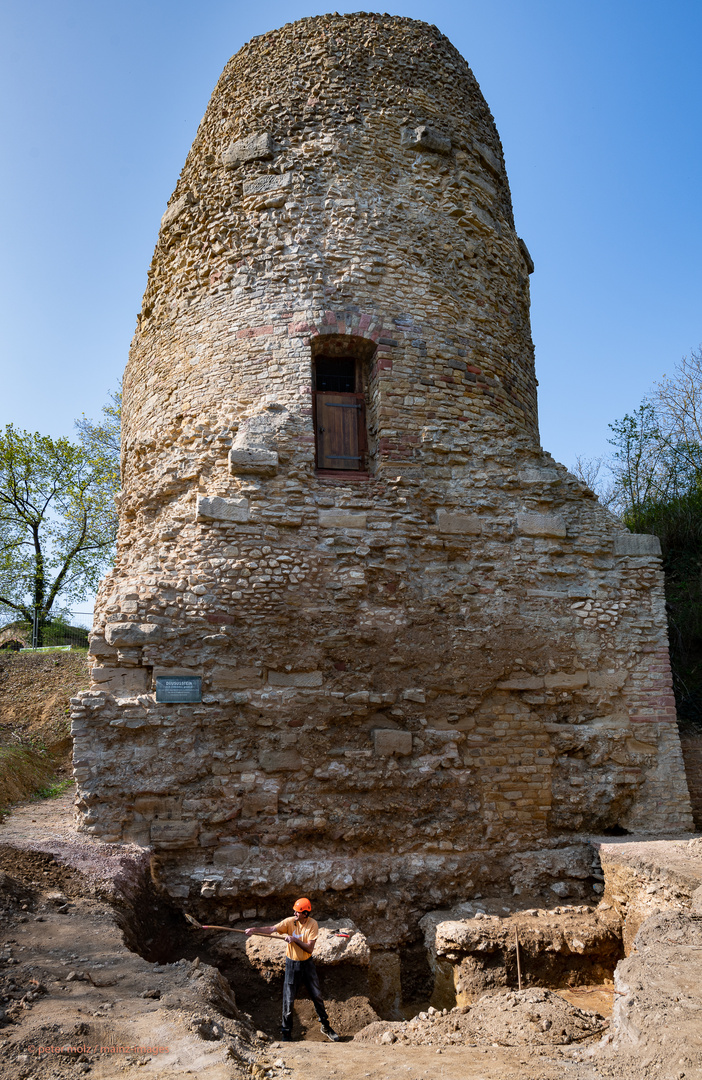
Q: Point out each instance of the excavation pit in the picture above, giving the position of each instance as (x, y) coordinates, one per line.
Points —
(466, 956)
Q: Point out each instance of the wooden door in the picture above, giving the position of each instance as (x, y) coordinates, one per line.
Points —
(340, 426)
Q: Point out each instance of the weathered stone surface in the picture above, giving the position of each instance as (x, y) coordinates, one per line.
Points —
(341, 519)
(527, 257)
(388, 742)
(541, 525)
(263, 184)
(132, 633)
(231, 855)
(636, 544)
(214, 508)
(538, 476)
(256, 147)
(176, 209)
(254, 460)
(280, 761)
(522, 682)
(563, 680)
(122, 682)
(259, 802)
(172, 835)
(229, 678)
(295, 678)
(424, 137)
(461, 524)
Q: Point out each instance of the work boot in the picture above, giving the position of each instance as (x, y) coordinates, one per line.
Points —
(328, 1030)
(286, 1036)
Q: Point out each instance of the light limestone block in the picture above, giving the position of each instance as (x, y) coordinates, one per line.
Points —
(465, 524)
(541, 525)
(342, 519)
(253, 461)
(214, 508)
(256, 147)
(636, 544)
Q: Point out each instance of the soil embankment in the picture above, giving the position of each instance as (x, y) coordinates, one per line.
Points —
(35, 744)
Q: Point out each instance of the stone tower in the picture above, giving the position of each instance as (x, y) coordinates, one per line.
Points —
(422, 647)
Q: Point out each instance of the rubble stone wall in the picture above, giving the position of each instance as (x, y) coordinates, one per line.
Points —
(408, 674)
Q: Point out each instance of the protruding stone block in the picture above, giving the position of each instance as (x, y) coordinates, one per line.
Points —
(489, 157)
(256, 147)
(176, 209)
(342, 519)
(636, 544)
(387, 742)
(457, 523)
(132, 633)
(541, 525)
(424, 137)
(526, 256)
(254, 461)
(214, 508)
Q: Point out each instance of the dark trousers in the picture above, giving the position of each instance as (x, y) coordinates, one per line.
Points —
(301, 973)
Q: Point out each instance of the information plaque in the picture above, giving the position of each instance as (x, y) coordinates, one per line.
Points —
(178, 688)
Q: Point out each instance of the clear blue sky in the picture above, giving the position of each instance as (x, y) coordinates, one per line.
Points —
(598, 105)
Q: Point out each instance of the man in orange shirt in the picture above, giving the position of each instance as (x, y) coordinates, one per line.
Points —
(300, 932)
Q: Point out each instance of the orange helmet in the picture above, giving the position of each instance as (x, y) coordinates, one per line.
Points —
(302, 904)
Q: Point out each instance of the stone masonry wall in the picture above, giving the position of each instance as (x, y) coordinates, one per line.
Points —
(410, 675)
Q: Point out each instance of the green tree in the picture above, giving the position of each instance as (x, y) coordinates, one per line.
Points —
(101, 439)
(57, 523)
(657, 468)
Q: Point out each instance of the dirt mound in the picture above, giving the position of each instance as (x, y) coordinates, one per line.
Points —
(515, 1018)
(34, 694)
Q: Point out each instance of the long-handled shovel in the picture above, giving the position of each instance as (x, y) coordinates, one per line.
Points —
(254, 933)
(229, 929)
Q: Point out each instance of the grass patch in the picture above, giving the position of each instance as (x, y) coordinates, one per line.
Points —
(23, 771)
(54, 790)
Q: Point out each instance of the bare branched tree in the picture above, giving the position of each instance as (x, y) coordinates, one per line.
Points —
(596, 475)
